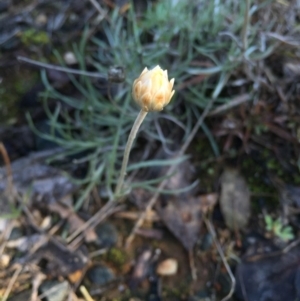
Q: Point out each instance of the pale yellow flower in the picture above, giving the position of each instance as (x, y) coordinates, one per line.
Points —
(152, 90)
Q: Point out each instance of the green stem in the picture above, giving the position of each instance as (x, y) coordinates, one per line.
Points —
(130, 140)
(245, 26)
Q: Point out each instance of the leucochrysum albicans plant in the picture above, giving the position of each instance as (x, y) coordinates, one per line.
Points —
(152, 91)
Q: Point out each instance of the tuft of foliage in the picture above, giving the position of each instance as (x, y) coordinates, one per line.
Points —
(276, 227)
(201, 43)
(33, 36)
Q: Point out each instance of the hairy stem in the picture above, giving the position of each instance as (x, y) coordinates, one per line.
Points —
(130, 140)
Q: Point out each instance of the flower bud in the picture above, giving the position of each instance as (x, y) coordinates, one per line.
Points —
(152, 90)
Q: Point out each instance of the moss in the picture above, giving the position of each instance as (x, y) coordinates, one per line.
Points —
(202, 152)
(254, 174)
(179, 291)
(15, 84)
(116, 256)
(32, 36)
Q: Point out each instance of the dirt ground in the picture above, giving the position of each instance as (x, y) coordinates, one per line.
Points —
(210, 205)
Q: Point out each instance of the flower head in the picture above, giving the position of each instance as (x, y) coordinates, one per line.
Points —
(152, 90)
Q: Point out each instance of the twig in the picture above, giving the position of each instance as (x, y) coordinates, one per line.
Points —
(36, 282)
(76, 242)
(106, 210)
(235, 102)
(5, 235)
(59, 68)
(100, 10)
(12, 282)
(284, 39)
(85, 293)
(192, 265)
(211, 229)
(171, 170)
(9, 188)
(97, 253)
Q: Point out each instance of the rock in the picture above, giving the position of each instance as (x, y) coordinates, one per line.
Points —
(70, 58)
(4, 261)
(58, 293)
(3, 224)
(167, 267)
(107, 235)
(15, 233)
(206, 242)
(100, 275)
(41, 20)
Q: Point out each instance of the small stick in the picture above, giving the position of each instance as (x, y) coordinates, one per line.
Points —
(12, 282)
(37, 281)
(211, 229)
(108, 209)
(59, 68)
(103, 211)
(100, 10)
(235, 102)
(9, 188)
(85, 293)
(192, 265)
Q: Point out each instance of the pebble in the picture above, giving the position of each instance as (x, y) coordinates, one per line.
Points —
(4, 260)
(41, 20)
(46, 223)
(70, 58)
(167, 267)
(3, 224)
(59, 293)
(107, 235)
(206, 242)
(15, 233)
(100, 275)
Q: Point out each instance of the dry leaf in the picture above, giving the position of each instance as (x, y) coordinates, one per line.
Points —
(234, 199)
(39, 182)
(183, 217)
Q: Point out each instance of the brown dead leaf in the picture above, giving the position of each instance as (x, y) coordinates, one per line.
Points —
(76, 276)
(234, 199)
(181, 212)
(183, 217)
(43, 183)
